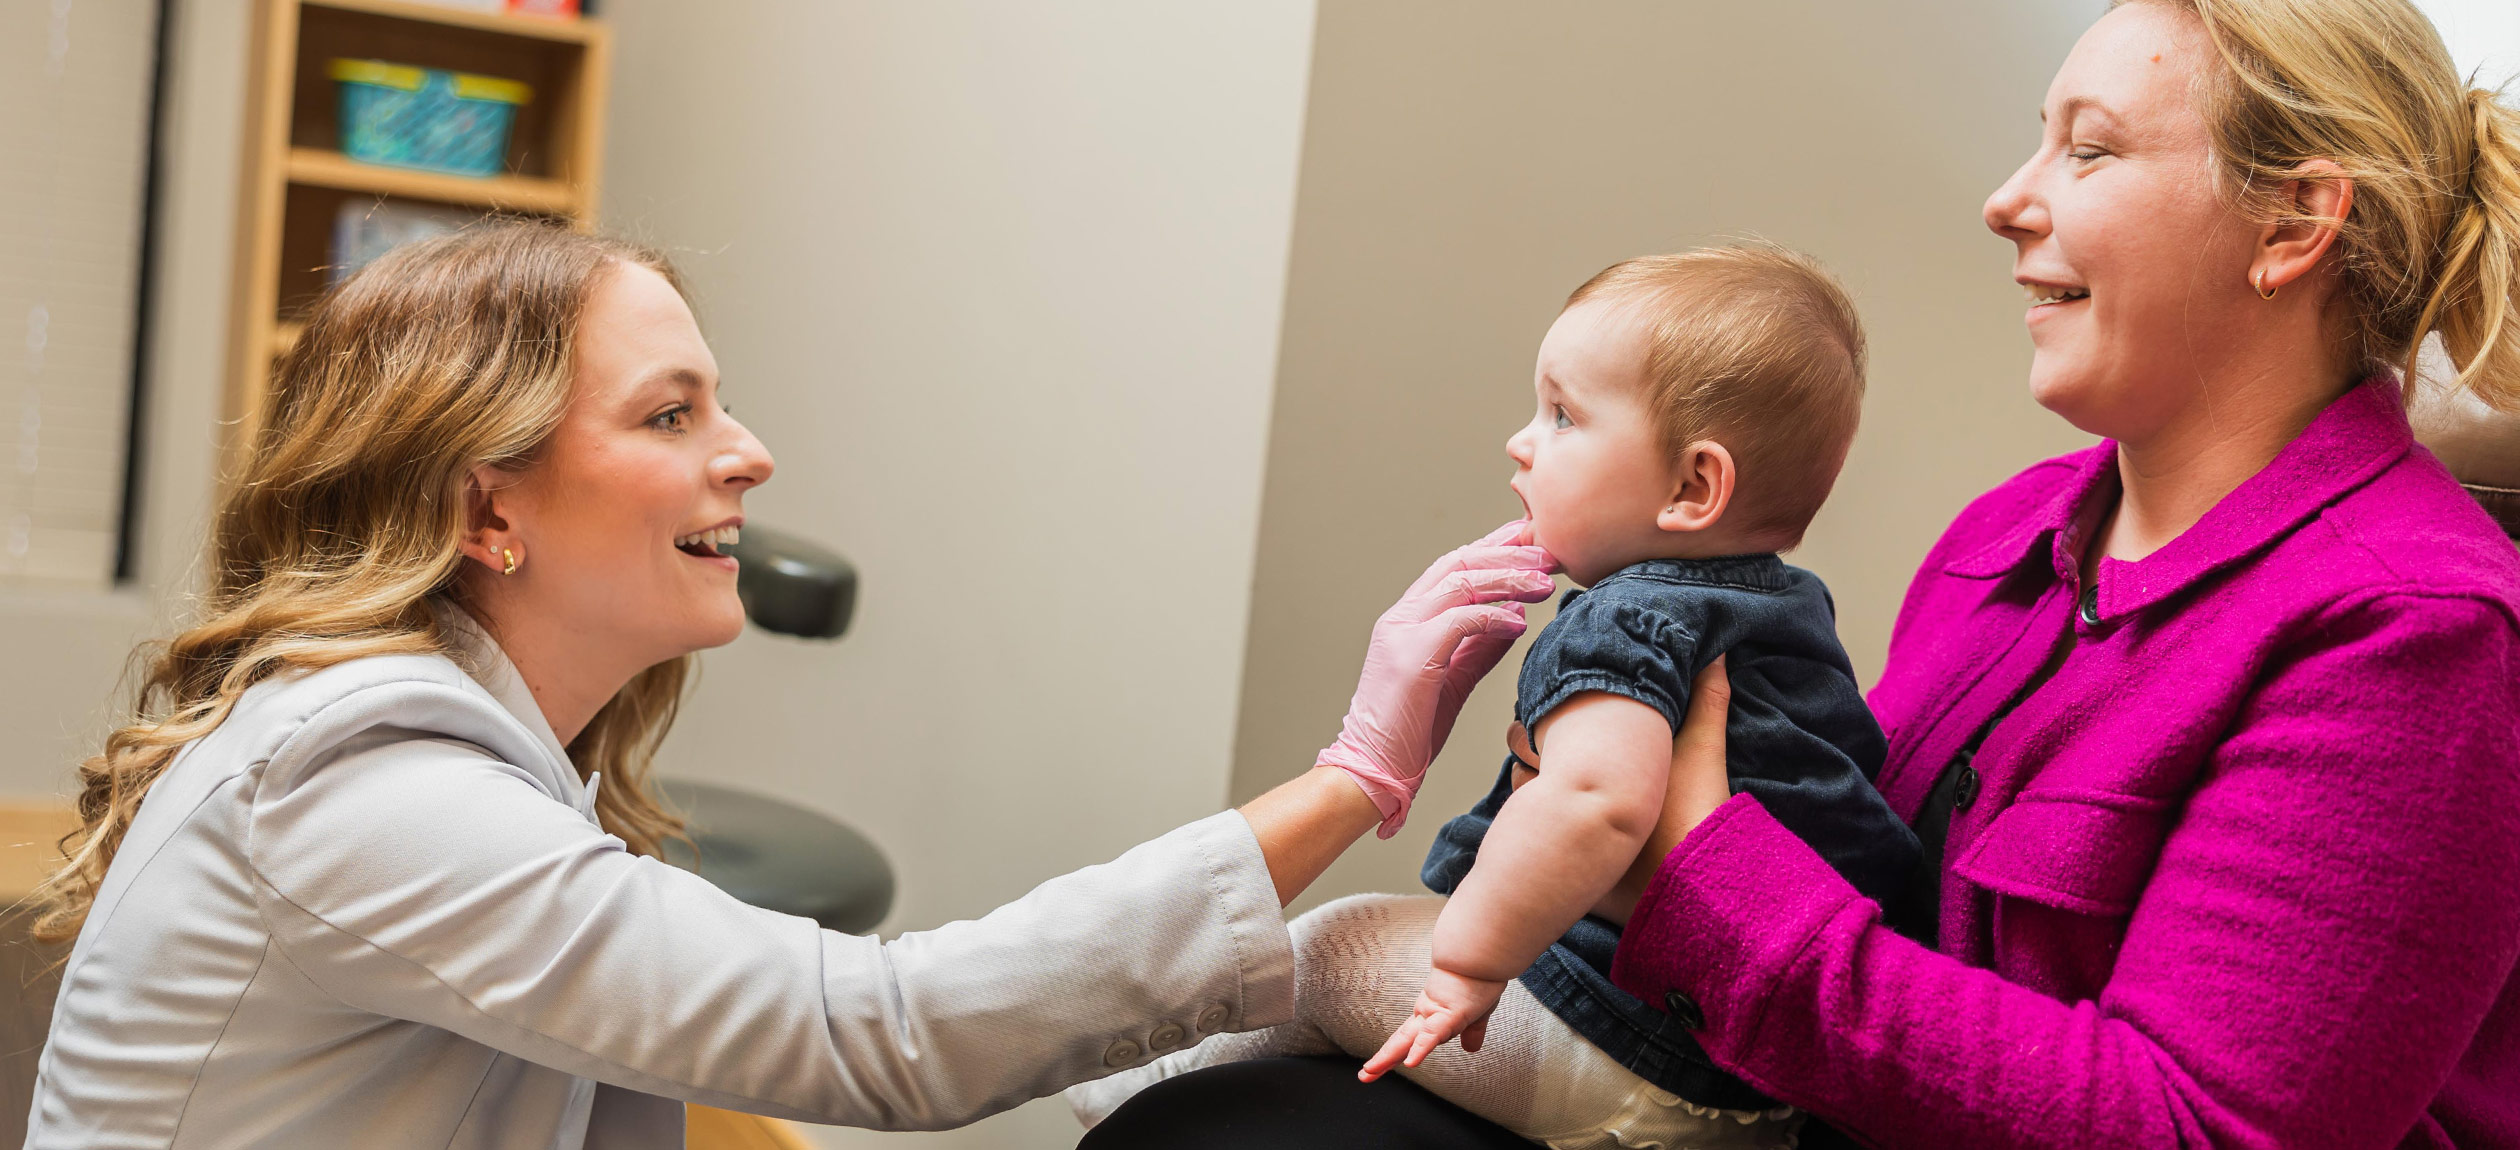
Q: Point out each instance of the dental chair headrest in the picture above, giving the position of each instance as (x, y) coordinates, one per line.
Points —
(2481, 446)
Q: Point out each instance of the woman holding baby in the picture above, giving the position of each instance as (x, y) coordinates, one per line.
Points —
(2210, 735)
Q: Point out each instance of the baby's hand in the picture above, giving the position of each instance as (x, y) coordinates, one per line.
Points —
(1452, 1004)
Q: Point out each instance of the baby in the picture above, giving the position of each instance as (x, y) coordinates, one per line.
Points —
(1693, 412)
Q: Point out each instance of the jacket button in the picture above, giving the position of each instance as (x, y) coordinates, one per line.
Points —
(1683, 1010)
(1212, 1019)
(1122, 1053)
(1964, 790)
(1166, 1037)
(2089, 607)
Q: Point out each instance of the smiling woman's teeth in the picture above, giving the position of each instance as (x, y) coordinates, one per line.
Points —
(713, 538)
(2042, 293)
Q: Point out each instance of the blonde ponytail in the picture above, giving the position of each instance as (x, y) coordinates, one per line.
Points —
(2476, 301)
(2432, 243)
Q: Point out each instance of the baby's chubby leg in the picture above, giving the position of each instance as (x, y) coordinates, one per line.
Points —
(1359, 963)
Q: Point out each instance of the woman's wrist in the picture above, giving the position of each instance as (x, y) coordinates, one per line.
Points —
(1306, 823)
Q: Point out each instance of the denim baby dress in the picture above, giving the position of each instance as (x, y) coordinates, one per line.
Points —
(1799, 737)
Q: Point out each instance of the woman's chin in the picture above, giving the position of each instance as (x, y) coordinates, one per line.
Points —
(2072, 395)
(715, 624)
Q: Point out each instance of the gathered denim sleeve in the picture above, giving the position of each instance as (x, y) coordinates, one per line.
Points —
(1610, 642)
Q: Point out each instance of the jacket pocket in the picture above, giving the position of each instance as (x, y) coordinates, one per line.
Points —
(2087, 852)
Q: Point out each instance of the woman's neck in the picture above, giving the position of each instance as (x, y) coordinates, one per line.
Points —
(2171, 477)
(569, 679)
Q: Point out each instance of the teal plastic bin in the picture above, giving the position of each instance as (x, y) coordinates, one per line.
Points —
(426, 117)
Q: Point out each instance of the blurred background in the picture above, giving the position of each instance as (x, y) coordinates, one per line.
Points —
(1137, 352)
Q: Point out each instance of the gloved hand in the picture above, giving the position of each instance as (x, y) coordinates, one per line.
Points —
(1428, 650)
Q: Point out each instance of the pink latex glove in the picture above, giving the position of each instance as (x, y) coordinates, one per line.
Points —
(1428, 650)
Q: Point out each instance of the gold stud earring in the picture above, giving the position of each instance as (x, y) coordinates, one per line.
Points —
(510, 556)
(2260, 282)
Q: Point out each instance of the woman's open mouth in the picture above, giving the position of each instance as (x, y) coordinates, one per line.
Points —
(705, 544)
(2049, 295)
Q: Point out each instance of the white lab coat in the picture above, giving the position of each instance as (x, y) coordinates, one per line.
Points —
(374, 909)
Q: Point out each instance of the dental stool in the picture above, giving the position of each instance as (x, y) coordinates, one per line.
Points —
(2480, 446)
(772, 854)
(780, 856)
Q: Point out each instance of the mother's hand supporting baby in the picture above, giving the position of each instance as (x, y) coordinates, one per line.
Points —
(1427, 652)
(1699, 782)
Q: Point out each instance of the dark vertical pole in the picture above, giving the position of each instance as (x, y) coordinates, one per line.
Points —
(144, 304)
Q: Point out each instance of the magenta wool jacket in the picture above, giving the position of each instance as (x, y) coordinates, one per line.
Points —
(2244, 872)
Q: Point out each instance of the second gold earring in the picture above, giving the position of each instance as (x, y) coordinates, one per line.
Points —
(510, 557)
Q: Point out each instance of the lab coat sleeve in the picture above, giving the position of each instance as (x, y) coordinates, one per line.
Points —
(421, 878)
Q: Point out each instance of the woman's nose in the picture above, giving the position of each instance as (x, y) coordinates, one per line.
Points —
(744, 462)
(2012, 211)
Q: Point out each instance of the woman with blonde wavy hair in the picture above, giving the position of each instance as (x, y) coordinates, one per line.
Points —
(2211, 731)
(373, 864)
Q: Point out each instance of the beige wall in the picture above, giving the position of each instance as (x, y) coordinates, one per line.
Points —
(999, 285)
(62, 652)
(1466, 164)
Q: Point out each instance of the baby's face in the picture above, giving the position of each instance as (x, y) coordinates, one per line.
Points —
(1590, 466)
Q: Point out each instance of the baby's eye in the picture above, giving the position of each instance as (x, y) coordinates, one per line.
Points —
(1559, 415)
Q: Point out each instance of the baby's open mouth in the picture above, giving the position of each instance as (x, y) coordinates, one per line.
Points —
(705, 544)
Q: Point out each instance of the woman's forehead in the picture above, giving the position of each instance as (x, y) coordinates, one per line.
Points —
(2137, 66)
(637, 327)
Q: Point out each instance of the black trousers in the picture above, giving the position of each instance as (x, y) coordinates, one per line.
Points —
(1293, 1104)
(1315, 1104)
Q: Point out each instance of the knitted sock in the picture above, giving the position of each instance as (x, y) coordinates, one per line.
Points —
(1359, 963)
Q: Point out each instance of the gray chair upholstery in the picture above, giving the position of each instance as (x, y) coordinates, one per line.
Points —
(782, 857)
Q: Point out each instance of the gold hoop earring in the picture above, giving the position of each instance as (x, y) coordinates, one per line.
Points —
(2260, 283)
(510, 556)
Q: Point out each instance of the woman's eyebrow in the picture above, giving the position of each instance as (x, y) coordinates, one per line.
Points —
(679, 378)
(2077, 105)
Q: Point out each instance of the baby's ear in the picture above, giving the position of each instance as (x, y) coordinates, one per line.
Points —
(1701, 487)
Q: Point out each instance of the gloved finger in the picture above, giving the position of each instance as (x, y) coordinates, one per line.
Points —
(1446, 579)
(1522, 558)
(1459, 625)
(1507, 546)
(1517, 531)
(1487, 585)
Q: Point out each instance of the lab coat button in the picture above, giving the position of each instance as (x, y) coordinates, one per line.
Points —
(1166, 1037)
(1212, 1019)
(1122, 1053)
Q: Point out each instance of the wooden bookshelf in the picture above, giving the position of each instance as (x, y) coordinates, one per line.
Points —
(296, 180)
(533, 195)
(30, 838)
(531, 27)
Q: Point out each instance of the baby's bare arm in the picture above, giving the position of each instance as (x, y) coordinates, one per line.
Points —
(1562, 840)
